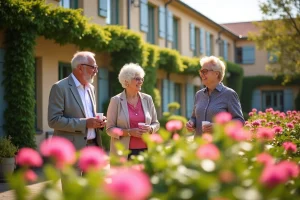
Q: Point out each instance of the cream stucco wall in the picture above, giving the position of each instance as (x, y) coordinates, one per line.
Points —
(261, 60)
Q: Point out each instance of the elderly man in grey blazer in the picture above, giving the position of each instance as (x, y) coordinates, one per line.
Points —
(72, 104)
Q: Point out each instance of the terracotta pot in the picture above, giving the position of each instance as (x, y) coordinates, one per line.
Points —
(7, 166)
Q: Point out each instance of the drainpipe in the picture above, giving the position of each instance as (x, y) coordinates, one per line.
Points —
(166, 22)
(128, 13)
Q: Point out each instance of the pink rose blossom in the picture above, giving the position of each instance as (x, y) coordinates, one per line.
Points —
(290, 125)
(254, 110)
(256, 123)
(273, 175)
(250, 114)
(288, 112)
(156, 138)
(207, 137)
(265, 158)
(174, 125)
(30, 176)
(117, 131)
(289, 146)
(92, 158)
(277, 129)
(139, 167)
(223, 117)
(176, 136)
(29, 157)
(236, 132)
(128, 184)
(208, 151)
(265, 134)
(61, 149)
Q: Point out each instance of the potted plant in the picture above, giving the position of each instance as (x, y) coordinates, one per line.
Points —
(7, 157)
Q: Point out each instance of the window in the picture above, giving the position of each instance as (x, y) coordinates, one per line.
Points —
(69, 4)
(272, 57)
(175, 34)
(64, 70)
(177, 96)
(245, 55)
(192, 37)
(112, 12)
(151, 25)
(223, 49)
(272, 99)
(209, 43)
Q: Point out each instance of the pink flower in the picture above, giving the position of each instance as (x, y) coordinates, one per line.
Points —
(289, 146)
(290, 125)
(207, 137)
(117, 131)
(30, 176)
(277, 129)
(254, 110)
(128, 184)
(290, 168)
(176, 137)
(256, 123)
(29, 158)
(236, 132)
(208, 151)
(174, 125)
(265, 134)
(156, 138)
(250, 114)
(92, 158)
(139, 167)
(61, 149)
(272, 176)
(264, 158)
(223, 117)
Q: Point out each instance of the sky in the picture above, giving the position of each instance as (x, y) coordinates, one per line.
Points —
(227, 11)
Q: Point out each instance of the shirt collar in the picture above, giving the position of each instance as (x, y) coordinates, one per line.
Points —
(219, 87)
(77, 83)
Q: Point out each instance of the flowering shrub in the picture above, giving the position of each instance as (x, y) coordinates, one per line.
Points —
(257, 161)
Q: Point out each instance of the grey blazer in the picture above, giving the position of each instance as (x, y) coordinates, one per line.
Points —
(66, 113)
(118, 116)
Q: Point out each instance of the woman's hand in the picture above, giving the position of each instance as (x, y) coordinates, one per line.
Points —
(208, 128)
(136, 132)
(190, 126)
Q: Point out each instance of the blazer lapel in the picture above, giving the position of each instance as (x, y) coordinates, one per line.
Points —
(92, 97)
(76, 94)
(145, 108)
(124, 106)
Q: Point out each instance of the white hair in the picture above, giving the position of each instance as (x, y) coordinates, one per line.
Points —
(81, 57)
(215, 63)
(128, 72)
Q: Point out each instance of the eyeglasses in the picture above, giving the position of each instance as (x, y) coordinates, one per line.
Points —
(205, 71)
(95, 67)
(138, 79)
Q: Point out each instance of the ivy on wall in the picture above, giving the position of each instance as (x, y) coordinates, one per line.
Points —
(25, 20)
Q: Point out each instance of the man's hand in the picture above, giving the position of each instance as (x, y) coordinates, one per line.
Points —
(208, 128)
(136, 132)
(95, 123)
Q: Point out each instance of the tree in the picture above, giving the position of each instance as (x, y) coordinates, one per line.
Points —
(280, 36)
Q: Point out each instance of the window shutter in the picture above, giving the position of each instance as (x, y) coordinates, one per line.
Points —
(272, 58)
(103, 93)
(162, 22)
(144, 15)
(102, 10)
(225, 50)
(190, 93)
(202, 40)
(3, 104)
(288, 99)
(248, 55)
(192, 36)
(256, 99)
(170, 26)
(172, 91)
(208, 50)
(165, 95)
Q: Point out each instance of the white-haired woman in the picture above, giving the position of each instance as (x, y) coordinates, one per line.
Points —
(214, 98)
(129, 108)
